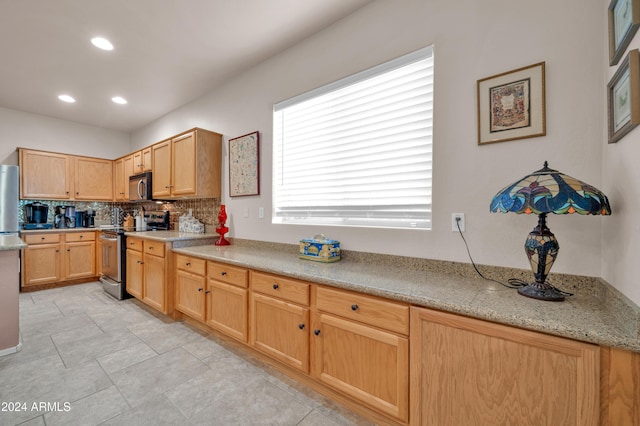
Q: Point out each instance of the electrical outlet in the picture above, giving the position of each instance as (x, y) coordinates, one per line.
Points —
(457, 219)
(261, 212)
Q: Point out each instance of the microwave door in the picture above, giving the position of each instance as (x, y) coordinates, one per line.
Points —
(142, 189)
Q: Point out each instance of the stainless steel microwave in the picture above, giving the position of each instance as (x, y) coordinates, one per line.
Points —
(140, 188)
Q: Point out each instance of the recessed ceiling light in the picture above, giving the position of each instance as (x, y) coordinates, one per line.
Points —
(102, 43)
(66, 98)
(119, 100)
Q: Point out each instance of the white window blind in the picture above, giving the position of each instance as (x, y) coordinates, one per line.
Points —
(357, 152)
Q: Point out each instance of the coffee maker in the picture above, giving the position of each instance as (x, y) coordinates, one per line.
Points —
(61, 218)
(70, 216)
(36, 216)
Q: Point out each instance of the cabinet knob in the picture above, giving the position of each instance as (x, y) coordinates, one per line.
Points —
(68, 249)
(77, 193)
(187, 264)
(207, 292)
(276, 286)
(42, 238)
(316, 332)
(301, 326)
(354, 307)
(81, 236)
(200, 289)
(223, 273)
(150, 247)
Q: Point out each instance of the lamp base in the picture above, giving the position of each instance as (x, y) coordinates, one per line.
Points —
(541, 291)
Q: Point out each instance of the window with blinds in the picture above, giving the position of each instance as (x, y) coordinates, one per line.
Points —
(357, 152)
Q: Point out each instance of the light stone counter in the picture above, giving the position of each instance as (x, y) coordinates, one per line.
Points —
(179, 239)
(11, 242)
(596, 313)
(56, 230)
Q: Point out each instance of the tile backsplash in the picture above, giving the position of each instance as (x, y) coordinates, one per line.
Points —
(205, 210)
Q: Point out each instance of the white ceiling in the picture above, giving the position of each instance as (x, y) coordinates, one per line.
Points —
(167, 52)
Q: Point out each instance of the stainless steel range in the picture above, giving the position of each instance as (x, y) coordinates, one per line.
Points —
(114, 251)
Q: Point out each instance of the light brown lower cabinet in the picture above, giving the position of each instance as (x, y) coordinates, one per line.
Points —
(466, 371)
(135, 273)
(214, 294)
(147, 274)
(281, 330)
(79, 255)
(57, 257)
(412, 365)
(351, 355)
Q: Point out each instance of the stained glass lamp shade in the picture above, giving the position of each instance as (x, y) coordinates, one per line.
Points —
(547, 191)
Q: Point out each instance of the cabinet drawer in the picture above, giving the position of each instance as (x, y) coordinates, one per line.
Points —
(283, 288)
(73, 237)
(155, 248)
(385, 314)
(134, 244)
(41, 238)
(191, 264)
(227, 274)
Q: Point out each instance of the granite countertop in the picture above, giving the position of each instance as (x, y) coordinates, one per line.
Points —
(11, 242)
(57, 230)
(170, 236)
(587, 316)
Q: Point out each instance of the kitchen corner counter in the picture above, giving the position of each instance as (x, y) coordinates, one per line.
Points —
(587, 316)
(178, 239)
(11, 242)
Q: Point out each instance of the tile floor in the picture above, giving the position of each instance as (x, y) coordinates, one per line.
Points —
(88, 359)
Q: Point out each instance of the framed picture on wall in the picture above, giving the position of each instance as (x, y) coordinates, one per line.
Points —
(624, 20)
(623, 97)
(511, 105)
(244, 165)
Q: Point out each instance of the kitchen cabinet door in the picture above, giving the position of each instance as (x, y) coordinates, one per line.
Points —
(468, 371)
(80, 260)
(190, 294)
(366, 363)
(135, 274)
(280, 330)
(42, 264)
(141, 161)
(93, 179)
(183, 167)
(45, 175)
(161, 157)
(154, 282)
(227, 309)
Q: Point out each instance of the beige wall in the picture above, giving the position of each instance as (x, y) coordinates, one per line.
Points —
(621, 174)
(26, 130)
(472, 40)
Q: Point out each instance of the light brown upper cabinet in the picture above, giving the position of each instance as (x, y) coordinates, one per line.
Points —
(45, 175)
(141, 161)
(93, 179)
(122, 169)
(54, 176)
(188, 165)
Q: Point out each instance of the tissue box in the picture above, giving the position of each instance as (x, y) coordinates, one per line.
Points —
(320, 249)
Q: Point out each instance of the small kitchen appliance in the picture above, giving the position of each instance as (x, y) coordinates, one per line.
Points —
(70, 216)
(60, 218)
(35, 215)
(140, 188)
(81, 219)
